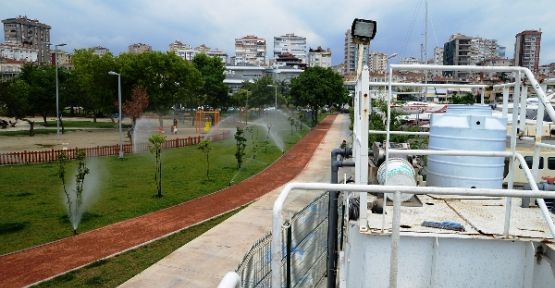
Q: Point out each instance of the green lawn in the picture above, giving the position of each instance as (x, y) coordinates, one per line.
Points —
(31, 198)
(114, 271)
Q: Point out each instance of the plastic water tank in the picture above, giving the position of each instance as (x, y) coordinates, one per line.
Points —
(466, 127)
(399, 173)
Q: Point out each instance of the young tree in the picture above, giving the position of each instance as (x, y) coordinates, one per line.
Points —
(206, 146)
(74, 202)
(241, 142)
(317, 87)
(155, 147)
(135, 106)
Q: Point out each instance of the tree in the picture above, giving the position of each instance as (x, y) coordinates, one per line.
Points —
(241, 142)
(155, 147)
(317, 87)
(213, 90)
(42, 89)
(16, 98)
(261, 93)
(98, 88)
(467, 98)
(135, 106)
(205, 146)
(168, 79)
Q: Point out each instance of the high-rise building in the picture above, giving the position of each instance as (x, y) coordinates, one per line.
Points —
(465, 50)
(29, 33)
(527, 49)
(349, 60)
(377, 62)
(438, 56)
(139, 48)
(319, 57)
(351, 55)
(290, 43)
(250, 50)
(482, 49)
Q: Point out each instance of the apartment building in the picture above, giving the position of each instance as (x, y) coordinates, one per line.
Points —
(187, 52)
(250, 50)
(319, 57)
(29, 33)
(377, 62)
(99, 50)
(139, 48)
(18, 52)
(527, 49)
(292, 44)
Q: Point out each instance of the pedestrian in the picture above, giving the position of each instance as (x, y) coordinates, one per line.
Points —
(174, 127)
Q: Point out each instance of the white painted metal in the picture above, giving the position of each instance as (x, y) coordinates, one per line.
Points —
(523, 98)
(418, 84)
(362, 92)
(230, 280)
(399, 133)
(505, 102)
(482, 95)
(435, 261)
(277, 215)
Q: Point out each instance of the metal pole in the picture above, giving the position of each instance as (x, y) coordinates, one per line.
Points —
(275, 96)
(57, 95)
(120, 133)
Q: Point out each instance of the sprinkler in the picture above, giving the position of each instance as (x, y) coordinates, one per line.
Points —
(74, 231)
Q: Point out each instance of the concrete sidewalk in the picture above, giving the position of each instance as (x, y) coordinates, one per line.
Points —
(204, 261)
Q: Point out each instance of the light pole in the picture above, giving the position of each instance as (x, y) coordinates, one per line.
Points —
(57, 91)
(119, 114)
(275, 94)
(247, 108)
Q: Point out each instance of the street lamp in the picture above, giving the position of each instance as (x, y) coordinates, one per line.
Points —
(57, 90)
(247, 108)
(119, 114)
(392, 55)
(362, 31)
(275, 94)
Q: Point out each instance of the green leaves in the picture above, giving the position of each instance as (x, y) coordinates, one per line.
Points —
(317, 87)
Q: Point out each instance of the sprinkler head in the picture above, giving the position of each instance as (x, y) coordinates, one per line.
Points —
(74, 231)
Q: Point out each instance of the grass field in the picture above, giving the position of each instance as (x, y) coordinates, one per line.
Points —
(114, 271)
(31, 198)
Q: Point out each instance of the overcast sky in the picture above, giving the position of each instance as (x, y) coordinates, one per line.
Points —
(216, 23)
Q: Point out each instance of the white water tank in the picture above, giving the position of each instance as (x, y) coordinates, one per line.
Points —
(466, 127)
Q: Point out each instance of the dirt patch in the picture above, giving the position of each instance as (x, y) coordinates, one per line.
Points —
(33, 265)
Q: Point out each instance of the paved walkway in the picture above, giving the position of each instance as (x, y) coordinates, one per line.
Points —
(204, 261)
(33, 265)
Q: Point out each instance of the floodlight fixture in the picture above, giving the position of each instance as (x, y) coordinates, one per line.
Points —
(363, 31)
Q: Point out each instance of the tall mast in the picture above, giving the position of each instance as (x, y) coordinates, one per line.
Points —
(425, 48)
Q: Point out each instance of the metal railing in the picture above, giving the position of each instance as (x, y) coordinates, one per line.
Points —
(277, 219)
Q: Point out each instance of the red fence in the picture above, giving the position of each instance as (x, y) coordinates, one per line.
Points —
(29, 157)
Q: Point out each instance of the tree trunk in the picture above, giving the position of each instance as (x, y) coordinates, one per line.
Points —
(31, 126)
(314, 117)
(44, 120)
(161, 122)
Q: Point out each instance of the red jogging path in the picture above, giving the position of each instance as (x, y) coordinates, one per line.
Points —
(35, 264)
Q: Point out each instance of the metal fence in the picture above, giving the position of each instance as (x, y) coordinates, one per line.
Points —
(45, 156)
(303, 252)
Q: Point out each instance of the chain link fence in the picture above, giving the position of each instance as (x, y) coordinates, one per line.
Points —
(303, 252)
